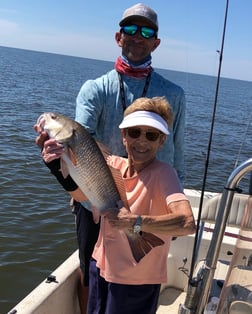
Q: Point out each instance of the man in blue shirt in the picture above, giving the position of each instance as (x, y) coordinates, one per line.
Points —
(99, 108)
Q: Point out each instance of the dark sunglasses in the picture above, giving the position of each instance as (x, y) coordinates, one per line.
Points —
(146, 32)
(151, 136)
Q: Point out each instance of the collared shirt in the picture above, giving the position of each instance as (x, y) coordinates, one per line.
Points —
(99, 109)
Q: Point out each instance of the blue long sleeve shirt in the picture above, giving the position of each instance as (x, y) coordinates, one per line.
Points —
(99, 109)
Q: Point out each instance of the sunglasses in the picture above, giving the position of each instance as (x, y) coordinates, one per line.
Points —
(146, 32)
(151, 136)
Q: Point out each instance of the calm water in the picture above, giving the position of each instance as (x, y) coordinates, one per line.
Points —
(37, 228)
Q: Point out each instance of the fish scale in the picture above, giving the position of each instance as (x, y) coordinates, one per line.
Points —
(91, 167)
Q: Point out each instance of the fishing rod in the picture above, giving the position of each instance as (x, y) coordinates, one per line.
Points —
(193, 282)
(250, 184)
(210, 140)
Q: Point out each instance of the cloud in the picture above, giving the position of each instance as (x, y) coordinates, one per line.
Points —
(8, 27)
(185, 56)
(63, 42)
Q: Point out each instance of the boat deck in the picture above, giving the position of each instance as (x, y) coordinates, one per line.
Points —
(169, 300)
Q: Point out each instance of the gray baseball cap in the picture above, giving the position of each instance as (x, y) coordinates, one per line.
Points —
(141, 12)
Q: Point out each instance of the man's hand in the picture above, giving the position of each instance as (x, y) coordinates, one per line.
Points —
(51, 149)
(42, 136)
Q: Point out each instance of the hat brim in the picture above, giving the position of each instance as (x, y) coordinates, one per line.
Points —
(127, 20)
(145, 118)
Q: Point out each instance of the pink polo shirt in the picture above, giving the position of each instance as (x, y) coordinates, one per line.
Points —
(148, 193)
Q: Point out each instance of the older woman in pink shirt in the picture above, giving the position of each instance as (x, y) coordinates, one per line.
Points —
(119, 284)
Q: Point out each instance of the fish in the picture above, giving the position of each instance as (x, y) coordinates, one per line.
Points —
(85, 161)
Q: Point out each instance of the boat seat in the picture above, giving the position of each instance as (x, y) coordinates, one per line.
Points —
(212, 205)
(240, 307)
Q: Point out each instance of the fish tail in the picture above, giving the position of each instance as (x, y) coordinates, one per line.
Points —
(142, 243)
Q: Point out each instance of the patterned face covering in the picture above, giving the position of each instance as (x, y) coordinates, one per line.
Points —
(140, 71)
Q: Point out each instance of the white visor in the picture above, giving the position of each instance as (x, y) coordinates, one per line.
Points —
(147, 118)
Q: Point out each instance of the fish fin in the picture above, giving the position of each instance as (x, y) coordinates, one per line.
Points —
(72, 156)
(63, 168)
(152, 239)
(116, 174)
(141, 244)
(104, 149)
(117, 177)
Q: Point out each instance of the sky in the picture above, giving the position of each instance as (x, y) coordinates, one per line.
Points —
(191, 32)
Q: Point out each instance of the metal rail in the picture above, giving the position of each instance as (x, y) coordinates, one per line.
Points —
(199, 286)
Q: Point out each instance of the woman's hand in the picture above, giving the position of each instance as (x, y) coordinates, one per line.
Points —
(123, 219)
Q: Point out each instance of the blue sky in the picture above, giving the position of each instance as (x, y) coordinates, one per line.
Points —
(190, 31)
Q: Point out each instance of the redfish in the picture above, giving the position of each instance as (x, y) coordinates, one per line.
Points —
(102, 185)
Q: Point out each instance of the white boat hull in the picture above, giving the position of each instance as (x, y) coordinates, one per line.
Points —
(60, 297)
(54, 297)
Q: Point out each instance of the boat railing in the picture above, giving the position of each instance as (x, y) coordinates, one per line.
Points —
(199, 286)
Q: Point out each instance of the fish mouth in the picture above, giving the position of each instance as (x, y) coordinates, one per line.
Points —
(41, 122)
(44, 118)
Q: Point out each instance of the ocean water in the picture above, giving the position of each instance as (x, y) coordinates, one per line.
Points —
(37, 228)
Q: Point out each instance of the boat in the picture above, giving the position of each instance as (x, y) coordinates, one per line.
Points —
(221, 277)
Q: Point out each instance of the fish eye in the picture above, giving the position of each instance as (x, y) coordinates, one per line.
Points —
(53, 116)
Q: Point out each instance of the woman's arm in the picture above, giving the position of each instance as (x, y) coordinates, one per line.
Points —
(178, 222)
